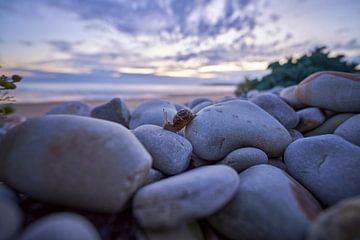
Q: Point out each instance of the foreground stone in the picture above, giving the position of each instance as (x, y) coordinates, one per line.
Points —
(185, 197)
(269, 204)
(350, 130)
(340, 222)
(61, 226)
(288, 95)
(10, 219)
(71, 107)
(171, 153)
(71, 159)
(327, 165)
(336, 91)
(221, 128)
(115, 111)
(310, 118)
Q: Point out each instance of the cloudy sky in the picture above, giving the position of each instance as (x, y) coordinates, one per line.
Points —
(181, 39)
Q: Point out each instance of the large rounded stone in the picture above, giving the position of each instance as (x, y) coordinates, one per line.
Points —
(8, 194)
(329, 126)
(74, 161)
(268, 204)
(115, 111)
(152, 112)
(72, 108)
(61, 226)
(288, 95)
(327, 165)
(340, 222)
(10, 220)
(350, 130)
(171, 153)
(219, 129)
(310, 118)
(336, 91)
(185, 197)
(278, 109)
(243, 158)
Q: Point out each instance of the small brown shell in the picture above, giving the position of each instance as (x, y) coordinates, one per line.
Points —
(181, 119)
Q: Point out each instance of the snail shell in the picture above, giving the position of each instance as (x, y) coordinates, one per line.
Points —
(181, 119)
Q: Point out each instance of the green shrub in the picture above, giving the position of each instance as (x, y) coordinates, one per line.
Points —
(6, 84)
(295, 70)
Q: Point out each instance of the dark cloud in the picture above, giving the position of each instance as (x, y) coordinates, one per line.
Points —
(63, 46)
(288, 36)
(349, 45)
(27, 43)
(274, 17)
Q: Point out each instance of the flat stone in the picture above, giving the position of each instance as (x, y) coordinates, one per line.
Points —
(243, 158)
(61, 226)
(329, 126)
(171, 152)
(71, 159)
(310, 118)
(71, 107)
(221, 128)
(11, 219)
(288, 95)
(268, 204)
(185, 197)
(350, 130)
(327, 165)
(277, 108)
(152, 112)
(339, 222)
(115, 111)
(336, 91)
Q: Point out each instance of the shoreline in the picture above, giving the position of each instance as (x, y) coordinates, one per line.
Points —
(37, 109)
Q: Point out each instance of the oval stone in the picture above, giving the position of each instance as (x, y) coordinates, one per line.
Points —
(310, 118)
(268, 204)
(10, 219)
(115, 111)
(185, 197)
(350, 130)
(219, 129)
(68, 160)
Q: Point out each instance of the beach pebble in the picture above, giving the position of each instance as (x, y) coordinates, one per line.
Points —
(277, 162)
(71, 107)
(153, 176)
(268, 204)
(187, 231)
(198, 162)
(10, 219)
(329, 126)
(219, 129)
(152, 112)
(200, 106)
(197, 101)
(288, 95)
(339, 222)
(115, 111)
(350, 130)
(82, 158)
(277, 108)
(252, 93)
(295, 134)
(8, 194)
(185, 197)
(336, 91)
(327, 165)
(61, 226)
(243, 158)
(171, 152)
(310, 118)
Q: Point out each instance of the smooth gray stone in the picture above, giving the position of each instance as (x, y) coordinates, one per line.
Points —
(198, 162)
(71, 159)
(288, 95)
(277, 163)
(329, 126)
(350, 130)
(200, 106)
(115, 111)
(190, 231)
(277, 108)
(153, 176)
(221, 128)
(327, 165)
(268, 204)
(61, 226)
(171, 152)
(243, 158)
(295, 134)
(185, 197)
(152, 112)
(11, 219)
(252, 93)
(310, 118)
(197, 101)
(227, 98)
(71, 107)
(336, 91)
(8, 194)
(11, 121)
(339, 222)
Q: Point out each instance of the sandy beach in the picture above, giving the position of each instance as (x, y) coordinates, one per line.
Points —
(37, 109)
